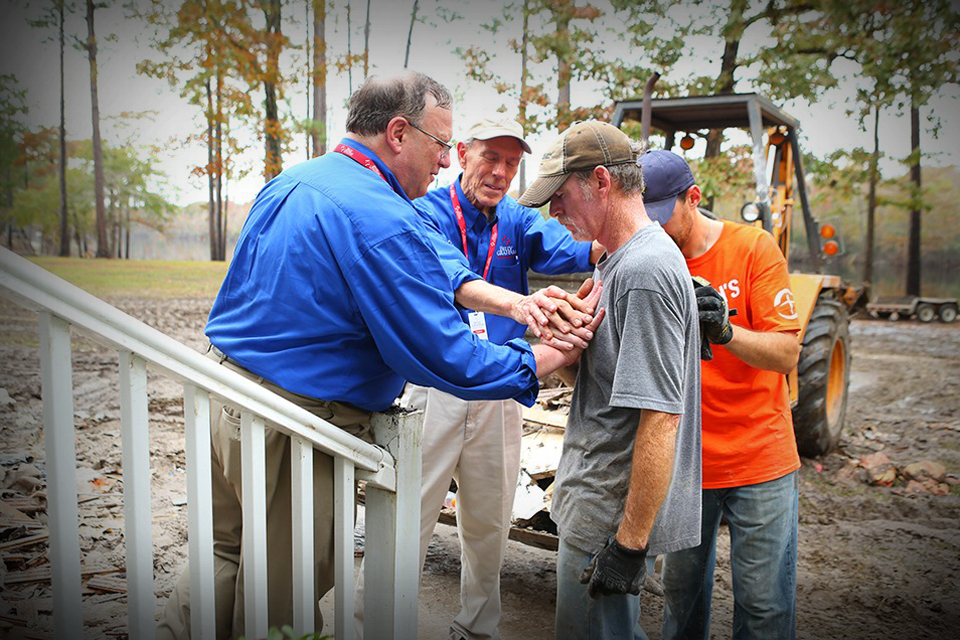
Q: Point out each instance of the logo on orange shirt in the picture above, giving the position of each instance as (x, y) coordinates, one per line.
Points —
(783, 302)
(730, 289)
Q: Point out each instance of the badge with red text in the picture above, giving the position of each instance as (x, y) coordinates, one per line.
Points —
(478, 324)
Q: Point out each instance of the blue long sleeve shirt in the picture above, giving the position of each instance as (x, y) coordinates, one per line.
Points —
(525, 241)
(336, 292)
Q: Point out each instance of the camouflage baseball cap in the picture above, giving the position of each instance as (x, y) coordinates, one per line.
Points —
(582, 147)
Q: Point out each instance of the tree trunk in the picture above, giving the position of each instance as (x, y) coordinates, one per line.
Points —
(413, 20)
(10, 206)
(366, 43)
(564, 67)
(126, 246)
(308, 138)
(81, 249)
(319, 131)
(218, 165)
(102, 248)
(273, 163)
(522, 108)
(223, 228)
(872, 199)
(211, 184)
(913, 245)
(349, 53)
(64, 226)
(114, 228)
(729, 64)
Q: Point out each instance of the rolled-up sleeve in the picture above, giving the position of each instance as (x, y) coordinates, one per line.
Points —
(403, 292)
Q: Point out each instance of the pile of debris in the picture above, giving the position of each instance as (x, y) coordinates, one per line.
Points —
(540, 447)
(26, 599)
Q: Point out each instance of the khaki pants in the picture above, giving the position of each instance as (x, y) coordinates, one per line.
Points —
(228, 518)
(477, 443)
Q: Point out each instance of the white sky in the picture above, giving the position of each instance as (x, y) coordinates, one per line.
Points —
(32, 55)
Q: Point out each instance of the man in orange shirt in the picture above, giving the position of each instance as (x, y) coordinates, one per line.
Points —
(750, 458)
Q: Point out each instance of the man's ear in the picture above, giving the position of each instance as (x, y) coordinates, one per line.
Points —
(396, 129)
(462, 155)
(694, 196)
(604, 181)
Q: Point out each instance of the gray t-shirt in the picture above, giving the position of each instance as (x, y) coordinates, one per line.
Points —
(645, 355)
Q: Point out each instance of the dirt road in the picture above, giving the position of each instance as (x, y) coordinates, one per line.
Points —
(875, 561)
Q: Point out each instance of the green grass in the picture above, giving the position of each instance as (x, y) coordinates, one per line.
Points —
(154, 279)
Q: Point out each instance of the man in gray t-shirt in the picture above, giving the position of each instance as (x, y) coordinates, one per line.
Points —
(628, 483)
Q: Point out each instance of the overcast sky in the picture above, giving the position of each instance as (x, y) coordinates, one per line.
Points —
(32, 56)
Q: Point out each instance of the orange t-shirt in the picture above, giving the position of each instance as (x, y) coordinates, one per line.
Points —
(747, 425)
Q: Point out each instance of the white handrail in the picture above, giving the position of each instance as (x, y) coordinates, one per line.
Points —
(391, 470)
(36, 288)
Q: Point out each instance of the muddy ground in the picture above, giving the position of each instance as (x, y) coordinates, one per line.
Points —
(875, 561)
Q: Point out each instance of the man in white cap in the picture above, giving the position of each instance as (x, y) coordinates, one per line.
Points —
(628, 483)
(487, 239)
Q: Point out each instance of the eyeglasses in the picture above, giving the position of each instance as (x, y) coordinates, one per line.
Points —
(446, 146)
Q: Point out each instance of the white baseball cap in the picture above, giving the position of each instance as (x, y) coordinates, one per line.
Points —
(487, 128)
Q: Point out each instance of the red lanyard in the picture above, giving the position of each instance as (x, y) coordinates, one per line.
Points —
(357, 156)
(463, 230)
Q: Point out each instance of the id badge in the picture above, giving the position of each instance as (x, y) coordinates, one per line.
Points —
(478, 324)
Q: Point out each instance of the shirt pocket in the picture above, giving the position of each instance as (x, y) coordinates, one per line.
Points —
(506, 272)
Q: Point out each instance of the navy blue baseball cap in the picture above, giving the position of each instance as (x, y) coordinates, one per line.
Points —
(665, 176)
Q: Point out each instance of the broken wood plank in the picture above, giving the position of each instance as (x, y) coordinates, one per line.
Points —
(16, 557)
(543, 417)
(100, 598)
(7, 522)
(9, 512)
(108, 583)
(42, 574)
(531, 537)
(22, 542)
(25, 504)
(535, 538)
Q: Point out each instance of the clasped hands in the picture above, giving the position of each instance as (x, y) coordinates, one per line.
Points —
(560, 319)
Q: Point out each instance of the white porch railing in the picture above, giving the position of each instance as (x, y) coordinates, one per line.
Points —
(391, 471)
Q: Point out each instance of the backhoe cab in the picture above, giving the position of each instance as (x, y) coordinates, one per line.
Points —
(819, 384)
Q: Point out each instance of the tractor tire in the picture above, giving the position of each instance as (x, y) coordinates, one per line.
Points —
(823, 379)
(948, 313)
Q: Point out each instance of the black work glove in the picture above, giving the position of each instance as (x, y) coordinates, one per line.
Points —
(714, 318)
(616, 569)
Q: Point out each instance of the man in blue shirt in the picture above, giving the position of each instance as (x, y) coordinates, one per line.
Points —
(336, 296)
(477, 442)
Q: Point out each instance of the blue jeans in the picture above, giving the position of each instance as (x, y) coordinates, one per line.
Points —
(580, 617)
(763, 559)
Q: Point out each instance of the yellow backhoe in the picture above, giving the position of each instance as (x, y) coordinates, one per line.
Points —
(819, 384)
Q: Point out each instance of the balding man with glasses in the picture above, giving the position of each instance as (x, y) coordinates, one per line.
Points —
(334, 298)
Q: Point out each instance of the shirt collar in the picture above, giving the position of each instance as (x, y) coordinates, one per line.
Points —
(391, 179)
(470, 213)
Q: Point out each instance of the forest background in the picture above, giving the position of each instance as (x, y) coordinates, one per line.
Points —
(143, 129)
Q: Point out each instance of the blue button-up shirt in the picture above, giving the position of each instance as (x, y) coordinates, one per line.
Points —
(336, 292)
(525, 241)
